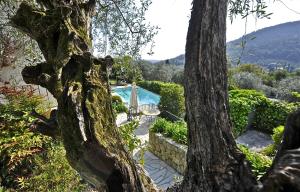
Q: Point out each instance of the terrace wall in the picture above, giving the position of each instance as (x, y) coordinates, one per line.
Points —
(172, 153)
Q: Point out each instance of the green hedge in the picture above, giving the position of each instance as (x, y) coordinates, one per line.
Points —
(154, 86)
(172, 99)
(118, 105)
(277, 137)
(239, 110)
(242, 102)
(177, 130)
(270, 114)
(267, 113)
(172, 95)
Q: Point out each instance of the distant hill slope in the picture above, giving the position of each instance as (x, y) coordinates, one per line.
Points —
(179, 60)
(276, 46)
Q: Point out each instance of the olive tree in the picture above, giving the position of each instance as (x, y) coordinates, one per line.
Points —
(79, 83)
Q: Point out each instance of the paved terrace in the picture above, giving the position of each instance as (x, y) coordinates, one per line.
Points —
(162, 174)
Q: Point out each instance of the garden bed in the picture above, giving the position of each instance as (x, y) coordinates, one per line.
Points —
(168, 141)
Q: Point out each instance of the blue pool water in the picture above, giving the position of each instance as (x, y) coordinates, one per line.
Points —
(144, 96)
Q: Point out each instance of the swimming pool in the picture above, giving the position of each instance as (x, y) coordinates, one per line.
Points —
(144, 96)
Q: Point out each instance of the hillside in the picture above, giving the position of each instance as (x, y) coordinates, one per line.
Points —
(276, 45)
(179, 60)
(271, 47)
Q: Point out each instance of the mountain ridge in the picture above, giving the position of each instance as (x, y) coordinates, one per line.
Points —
(271, 47)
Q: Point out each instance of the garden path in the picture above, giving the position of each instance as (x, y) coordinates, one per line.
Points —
(254, 140)
(162, 174)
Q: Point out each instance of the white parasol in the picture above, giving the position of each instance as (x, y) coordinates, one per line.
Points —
(133, 99)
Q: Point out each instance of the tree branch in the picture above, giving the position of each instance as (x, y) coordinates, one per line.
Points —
(28, 20)
(44, 125)
(127, 24)
(38, 75)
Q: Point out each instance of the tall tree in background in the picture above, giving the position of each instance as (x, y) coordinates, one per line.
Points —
(119, 27)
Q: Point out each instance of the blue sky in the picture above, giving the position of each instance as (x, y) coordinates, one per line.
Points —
(172, 16)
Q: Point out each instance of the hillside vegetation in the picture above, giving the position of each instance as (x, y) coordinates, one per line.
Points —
(272, 47)
(269, 47)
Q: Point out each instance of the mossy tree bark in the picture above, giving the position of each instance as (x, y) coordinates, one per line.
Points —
(79, 82)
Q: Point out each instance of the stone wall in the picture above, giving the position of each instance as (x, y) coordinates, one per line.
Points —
(12, 75)
(172, 153)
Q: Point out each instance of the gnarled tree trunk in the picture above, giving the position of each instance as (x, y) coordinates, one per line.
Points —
(79, 83)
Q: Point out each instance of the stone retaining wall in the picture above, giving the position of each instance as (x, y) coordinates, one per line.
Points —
(172, 153)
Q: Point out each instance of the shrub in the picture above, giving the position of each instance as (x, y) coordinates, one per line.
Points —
(53, 172)
(118, 105)
(119, 108)
(242, 102)
(268, 91)
(177, 130)
(246, 80)
(18, 145)
(280, 74)
(172, 99)
(294, 97)
(250, 68)
(267, 113)
(269, 150)
(127, 133)
(278, 135)
(239, 111)
(172, 95)
(116, 99)
(270, 114)
(159, 125)
(154, 86)
(30, 161)
(258, 162)
(277, 138)
(286, 86)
